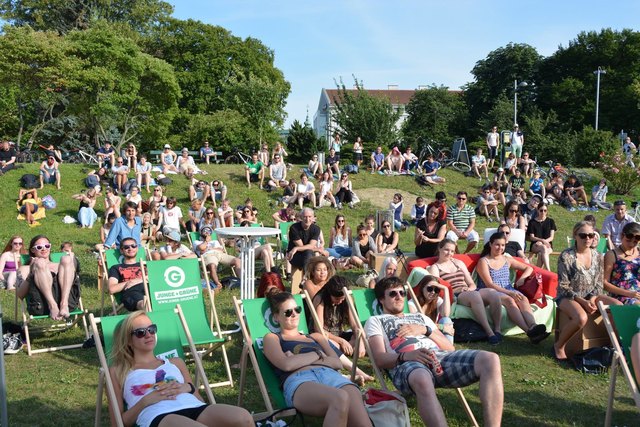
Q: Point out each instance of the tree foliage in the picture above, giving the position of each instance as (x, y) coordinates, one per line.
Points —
(434, 113)
(302, 141)
(358, 113)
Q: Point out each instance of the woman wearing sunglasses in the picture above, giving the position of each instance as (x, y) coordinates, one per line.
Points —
(580, 277)
(622, 266)
(387, 240)
(159, 392)
(10, 262)
(432, 305)
(307, 368)
(541, 231)
(512, 216)
(51, 286)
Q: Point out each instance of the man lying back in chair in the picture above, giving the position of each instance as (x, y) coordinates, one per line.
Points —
(420, 358)
(126, 278)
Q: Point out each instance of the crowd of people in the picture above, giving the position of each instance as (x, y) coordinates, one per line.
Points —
(416, 348)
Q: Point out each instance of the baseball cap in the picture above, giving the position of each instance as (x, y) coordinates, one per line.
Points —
(206, 230)
(167, 146)
(173, 235)
(500, 170)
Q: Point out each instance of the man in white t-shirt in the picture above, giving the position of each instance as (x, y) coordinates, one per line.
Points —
(305, 191)
(173, 249)
(420, 358)
(479, 164)
(517, 141)
(212, 252)
(172, 217)
(492, 145)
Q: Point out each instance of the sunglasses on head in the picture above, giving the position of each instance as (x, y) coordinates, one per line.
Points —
(43, 247)
(130, 246)
(289, 312)
(589, 235)
(394, 293)
(142, 332)
(631, 236)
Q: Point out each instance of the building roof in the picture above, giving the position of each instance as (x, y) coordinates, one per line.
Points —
(395, 96)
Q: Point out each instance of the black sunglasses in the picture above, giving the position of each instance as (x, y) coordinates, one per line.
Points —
(289, 312)
(142, 332)
(431, 288)
(131, 246)
(631, 236)
(590, 235)
(394, 293)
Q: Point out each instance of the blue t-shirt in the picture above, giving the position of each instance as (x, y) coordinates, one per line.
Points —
(430, 166)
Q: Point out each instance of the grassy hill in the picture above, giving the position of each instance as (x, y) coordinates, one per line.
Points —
(59, 388)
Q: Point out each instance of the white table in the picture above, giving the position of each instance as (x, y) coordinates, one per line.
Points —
(247, 237)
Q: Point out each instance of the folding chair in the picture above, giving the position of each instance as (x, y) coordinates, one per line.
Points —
(171, 324)
(255, 320)
(195, 235)
(621, 330)
(602, 244)
(171, 282)
(363, 304)
(283, 243)
(109, 258)
(58, 326)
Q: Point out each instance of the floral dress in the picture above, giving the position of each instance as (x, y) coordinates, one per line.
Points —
(575, 280)
(625, 276)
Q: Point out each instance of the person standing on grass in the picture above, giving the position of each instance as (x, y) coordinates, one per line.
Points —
(493, 138)
(357, 151)
(461, 220)
(517, 141)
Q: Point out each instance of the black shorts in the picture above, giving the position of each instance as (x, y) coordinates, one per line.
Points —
(254, 177)
(493, 152)
(357, 156)
(37, 305)
(191, 413)
(131, 296)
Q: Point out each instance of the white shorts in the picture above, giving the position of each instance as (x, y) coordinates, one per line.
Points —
(472, 237)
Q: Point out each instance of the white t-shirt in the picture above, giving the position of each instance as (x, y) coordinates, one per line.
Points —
(325, 187)
(277, 171)
(182, 250)
(478, 160)
(172, 217)
(211, 245)
(306, 188)
(387, 326)
(440, 301)
(492, 139)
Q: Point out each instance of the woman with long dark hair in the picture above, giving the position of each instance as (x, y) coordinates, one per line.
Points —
(622, 266)
(340, 238)
(432, 305)
(430, 231)
(10, 261)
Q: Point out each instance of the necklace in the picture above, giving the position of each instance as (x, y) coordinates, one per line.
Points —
(625, 252)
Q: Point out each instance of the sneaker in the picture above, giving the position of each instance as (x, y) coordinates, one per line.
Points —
(572, 209)
(14, 344)
(351, 205)
(495, 339)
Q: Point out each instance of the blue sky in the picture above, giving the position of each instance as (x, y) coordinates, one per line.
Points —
(403, 42)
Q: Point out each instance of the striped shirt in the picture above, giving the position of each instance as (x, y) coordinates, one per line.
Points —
(461, 218)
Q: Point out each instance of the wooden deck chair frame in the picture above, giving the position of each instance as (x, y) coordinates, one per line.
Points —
(195, 235)
(79, 315)
(104, 379)
(352, 306)
(216, 339)
(103, 276)
(251, 350)
(618, 335)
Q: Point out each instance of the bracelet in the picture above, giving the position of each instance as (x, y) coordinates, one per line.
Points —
(193, 388)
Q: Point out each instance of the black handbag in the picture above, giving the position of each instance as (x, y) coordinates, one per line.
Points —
(595, 360)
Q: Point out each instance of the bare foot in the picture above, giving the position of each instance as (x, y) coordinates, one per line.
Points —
(64, 312)
(54, 313)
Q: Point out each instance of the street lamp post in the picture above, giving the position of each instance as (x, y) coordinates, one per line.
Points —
(599, 71)
(516, 86)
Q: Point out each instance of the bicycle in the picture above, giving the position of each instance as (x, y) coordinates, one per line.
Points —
(237, 157)
(27, 155)
(77, 156)
(555, 168)
(443, 156)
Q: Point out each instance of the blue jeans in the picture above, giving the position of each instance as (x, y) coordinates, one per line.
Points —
(339, 251)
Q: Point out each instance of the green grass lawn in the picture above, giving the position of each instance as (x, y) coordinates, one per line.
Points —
(60, 388)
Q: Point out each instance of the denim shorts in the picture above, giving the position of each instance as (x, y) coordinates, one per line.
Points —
(322, 375)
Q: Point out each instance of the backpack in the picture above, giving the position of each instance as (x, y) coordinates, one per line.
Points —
(468, 330)
(29, 180)
(91, 181)
(595, 360)
(164, 181)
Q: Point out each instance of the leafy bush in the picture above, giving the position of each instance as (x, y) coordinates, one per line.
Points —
(302, 142)
(590, 143)
(621, 178)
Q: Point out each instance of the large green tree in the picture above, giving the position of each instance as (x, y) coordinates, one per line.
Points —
(372, 118)
(302, 142)
(67, 15)
(434, 113)
(568, 82)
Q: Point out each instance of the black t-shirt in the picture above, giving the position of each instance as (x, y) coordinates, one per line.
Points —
(541, 229)
(333, 159)
(296, 232)
(428, 249)
(570, 186)
(516, 182)
(6, 156)
(125, 272)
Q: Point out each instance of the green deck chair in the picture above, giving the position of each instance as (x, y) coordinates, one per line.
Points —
(78, 315)
(109, 258)
(602, 244)
(254, 316)
(171, 323)
(363, 304)
(171, 282)
(621, 330)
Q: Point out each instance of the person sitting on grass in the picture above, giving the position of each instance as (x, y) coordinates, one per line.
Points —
(168, 159)
(441, 204)
(126, 278)
(28, 202)
(418, 210)
(387, 239)
(305, 192)
(479, 165)
(526, 164)
(196, 213)
(199, 189)
(516, 184)
(186, 164)
(461, 220)
(218, 192)
(395, 160)
(120, 174)
(487, 204)
(50, 172)
(212, 252)
(308, 367)
(326, 190)
(420, 358)
(363, 248)
(377, 160)
(106, 156)
(157, 392)
(430, 169)
(277, 174)
(333, 162)
(599, 196)
(143, 173)
(397, 204)
(173, 248)
(574, 191)
(536, 185)
(541, 232)
(287, 214)
(206, 153)
(340, 238)
(254, 171)
(511, 164)
(53, 288)
(554, 190)
(410, 160)
(315, 166)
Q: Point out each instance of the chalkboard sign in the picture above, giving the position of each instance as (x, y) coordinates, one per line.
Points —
(460, 151)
